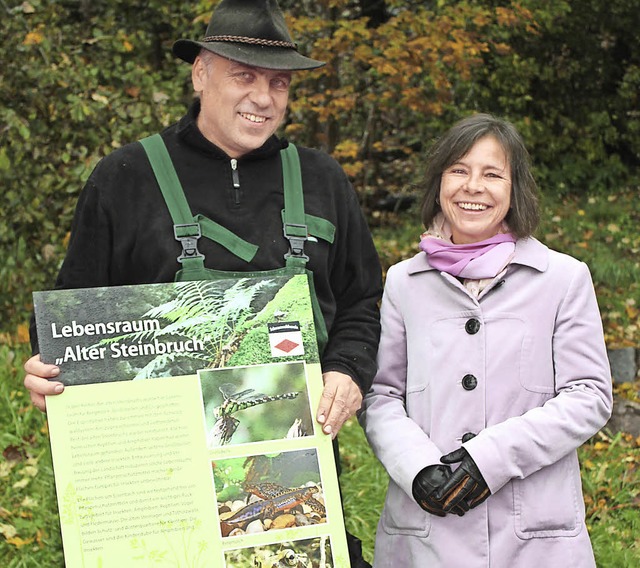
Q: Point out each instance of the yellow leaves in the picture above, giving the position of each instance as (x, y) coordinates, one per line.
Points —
(363, 53)
(10, 534)
(378, 146)
(33, 38)
(29, 503)
(609, 468)
(481, 20)
(346, 149)
(294, 129)
(160, 97)
(505, 18)
(353, 169)
(20, 542)
(100, 99)
(503, 49)
(22, 333)
(28, 472)
(346, 153)
(5, 469)
(27, 8)
(18, 464)
(8, 531)
(628, 391)
(385, 67)
(22, 483)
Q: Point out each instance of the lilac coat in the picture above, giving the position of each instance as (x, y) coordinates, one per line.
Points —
(540, 387)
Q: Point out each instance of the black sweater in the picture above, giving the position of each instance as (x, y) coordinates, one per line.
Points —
(122, 232)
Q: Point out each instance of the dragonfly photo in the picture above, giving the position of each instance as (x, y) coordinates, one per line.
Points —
(257, 403)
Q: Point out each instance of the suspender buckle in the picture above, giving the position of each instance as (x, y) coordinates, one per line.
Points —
(188, 235)
(296, 235)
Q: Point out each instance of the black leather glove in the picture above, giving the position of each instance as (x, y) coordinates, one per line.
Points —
(426, 484)
(466, 487)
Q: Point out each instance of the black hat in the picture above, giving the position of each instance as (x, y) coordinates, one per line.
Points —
(248, 31)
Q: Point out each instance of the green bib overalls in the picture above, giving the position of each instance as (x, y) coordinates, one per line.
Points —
(297, 227)
(188, 228)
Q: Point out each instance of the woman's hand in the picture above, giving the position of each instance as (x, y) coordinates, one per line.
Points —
(427, 483)
(466, 486)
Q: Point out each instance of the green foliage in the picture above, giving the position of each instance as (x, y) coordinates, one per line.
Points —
(29, 525)
(77, 80)
(611, 488)
(571, 83)
(601, 230)
(80, 78)
(255, 332)
(565, 73)
(202, 312)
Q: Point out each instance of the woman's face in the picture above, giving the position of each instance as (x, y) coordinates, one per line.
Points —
(475, 192)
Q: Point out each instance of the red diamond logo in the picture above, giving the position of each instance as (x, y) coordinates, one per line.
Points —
(287, 345)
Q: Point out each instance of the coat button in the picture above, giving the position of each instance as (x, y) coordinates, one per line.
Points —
(472, 326)
(468, 437)
(469, 382)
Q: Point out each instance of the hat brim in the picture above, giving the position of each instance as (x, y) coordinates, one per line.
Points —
(255, 55)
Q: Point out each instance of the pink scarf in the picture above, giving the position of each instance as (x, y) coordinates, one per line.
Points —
(476, 261)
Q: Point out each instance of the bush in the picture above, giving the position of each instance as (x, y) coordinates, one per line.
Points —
(81, 77)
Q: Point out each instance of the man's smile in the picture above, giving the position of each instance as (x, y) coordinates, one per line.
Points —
(253, 117)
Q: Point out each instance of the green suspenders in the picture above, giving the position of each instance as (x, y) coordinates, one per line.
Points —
(188, 228)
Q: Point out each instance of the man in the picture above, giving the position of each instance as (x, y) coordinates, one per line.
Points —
(227, 159)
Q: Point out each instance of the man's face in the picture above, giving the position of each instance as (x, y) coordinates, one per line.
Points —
(241, 105)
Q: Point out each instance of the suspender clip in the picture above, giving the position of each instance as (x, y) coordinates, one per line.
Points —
(188, 235)
(296, 241)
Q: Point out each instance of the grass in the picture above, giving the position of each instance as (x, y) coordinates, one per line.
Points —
(28, 512)
(610, 465)
(29, 525)
(601, 230)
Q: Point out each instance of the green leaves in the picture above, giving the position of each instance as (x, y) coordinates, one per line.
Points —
(82, 78)
(65, 86)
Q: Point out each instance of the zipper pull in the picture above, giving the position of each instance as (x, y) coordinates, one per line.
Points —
(236, 179)
(234, 173)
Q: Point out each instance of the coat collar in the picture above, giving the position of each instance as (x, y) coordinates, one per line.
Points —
(529, 252)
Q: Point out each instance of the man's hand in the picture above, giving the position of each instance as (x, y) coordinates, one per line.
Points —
(341, 399)
(37, 381)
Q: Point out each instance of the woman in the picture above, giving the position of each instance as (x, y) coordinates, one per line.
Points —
(492, 359)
